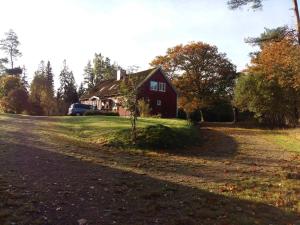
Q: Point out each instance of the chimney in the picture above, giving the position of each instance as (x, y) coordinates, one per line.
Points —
(121, 74)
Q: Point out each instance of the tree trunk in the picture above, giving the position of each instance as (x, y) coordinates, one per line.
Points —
(11, 60)
(296, 10)
(133, 135)
(296, 111)
(134, 130)
(202, 117)
(188, 117)
(235, 114)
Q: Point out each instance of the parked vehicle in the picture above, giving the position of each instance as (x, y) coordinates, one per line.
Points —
(78, 109)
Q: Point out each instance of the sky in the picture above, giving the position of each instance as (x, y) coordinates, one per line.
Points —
(131, 32)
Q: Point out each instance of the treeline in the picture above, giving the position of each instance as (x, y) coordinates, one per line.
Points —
(210, 88)
(40, 97)
(270, 87)
(268, 91)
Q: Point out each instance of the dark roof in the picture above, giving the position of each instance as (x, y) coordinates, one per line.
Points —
(144, 74)
(108, 88)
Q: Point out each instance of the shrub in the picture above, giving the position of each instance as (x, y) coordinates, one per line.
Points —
(17, 100)
(271, 104)
(158, 137)
(220, 111)
(144, 108)
(99, 112)
(195, 117)
(181, 114)
(156, 116)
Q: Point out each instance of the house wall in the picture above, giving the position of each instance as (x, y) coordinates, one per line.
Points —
(123, 111)
(96, 103)
(104, 104)
(168, 107)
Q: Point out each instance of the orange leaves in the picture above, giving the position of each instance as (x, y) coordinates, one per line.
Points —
(189, 105)
(200, 73)
(279, 61)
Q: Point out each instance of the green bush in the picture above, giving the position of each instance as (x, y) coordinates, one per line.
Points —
(102, 113)
(181, 114)
(220, 111)
(271, 104)
(158, 137)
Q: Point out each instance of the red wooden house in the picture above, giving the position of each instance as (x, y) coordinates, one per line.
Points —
(155, 88)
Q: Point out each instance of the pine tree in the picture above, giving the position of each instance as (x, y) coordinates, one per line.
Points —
(88, 75)
(10, 46)
(67, 89)
(24, 78)
(81, 90)
(102, 69)
(50, 79)
(98, 68)
(42, 91)
(110, 71)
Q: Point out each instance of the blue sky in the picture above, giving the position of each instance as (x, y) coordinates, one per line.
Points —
(132, 32)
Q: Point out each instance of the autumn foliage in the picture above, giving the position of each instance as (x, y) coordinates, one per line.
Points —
(271, 86)
(200, 72)
(13, 95)
(279, 61)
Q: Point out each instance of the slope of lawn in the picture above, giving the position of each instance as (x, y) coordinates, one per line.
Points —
(58, 168)
(91, 130)
(286, 139)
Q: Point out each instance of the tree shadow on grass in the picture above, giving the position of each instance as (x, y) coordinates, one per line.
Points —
(63, 190)
(216, 144)
(211, 143)
(201, 143)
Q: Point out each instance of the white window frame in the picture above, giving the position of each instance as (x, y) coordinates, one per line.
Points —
(162, 86)
(153, 85)
(158, 102)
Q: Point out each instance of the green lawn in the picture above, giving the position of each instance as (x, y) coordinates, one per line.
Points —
(286, 139)
(237, 175)
(91, 130)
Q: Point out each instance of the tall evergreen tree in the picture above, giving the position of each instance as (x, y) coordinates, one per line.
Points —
(24, 78)
(99, 68)
(89, 75)
(42, 91)
(67, 90)
(50, 79)
(81, 90)
(110, 70)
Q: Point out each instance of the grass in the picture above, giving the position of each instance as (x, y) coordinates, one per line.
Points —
(237, 175)
(157, 137)
(286, 139)
(93, 130)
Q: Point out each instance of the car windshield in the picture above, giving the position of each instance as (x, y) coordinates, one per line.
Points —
(81, 106)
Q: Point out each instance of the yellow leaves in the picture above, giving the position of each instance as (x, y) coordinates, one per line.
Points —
(189, 105)
(229, 188)
(279, 61)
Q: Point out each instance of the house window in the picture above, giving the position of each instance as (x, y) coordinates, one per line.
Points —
(158, 102)
(153, 86)
(162, 86)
